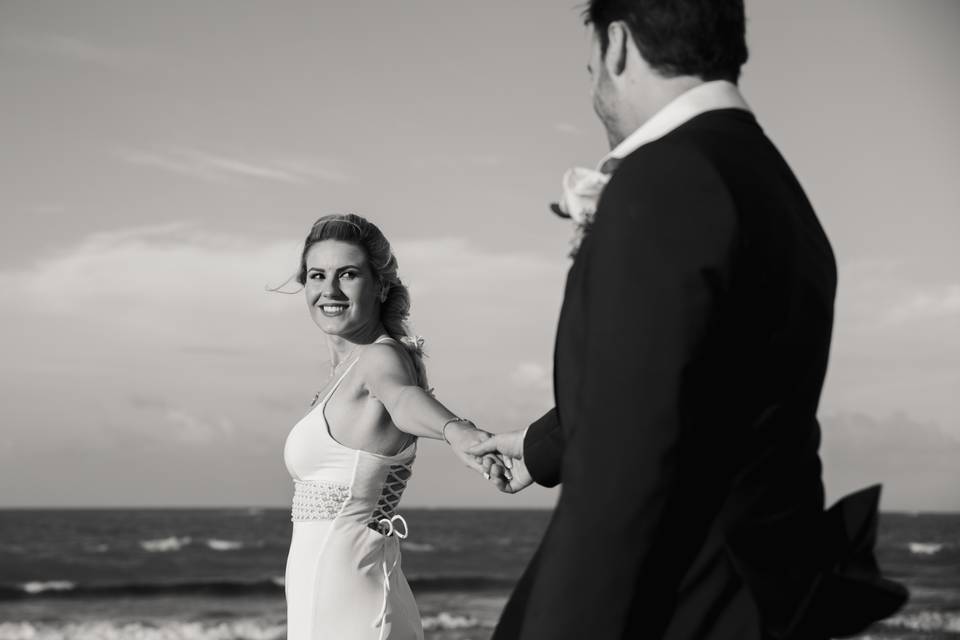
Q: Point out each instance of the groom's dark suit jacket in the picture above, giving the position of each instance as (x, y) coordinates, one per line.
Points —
(691, 350)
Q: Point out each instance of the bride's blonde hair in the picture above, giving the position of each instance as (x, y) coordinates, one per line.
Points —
(395, 297)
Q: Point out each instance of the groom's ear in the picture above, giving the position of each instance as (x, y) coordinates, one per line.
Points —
(618, 39)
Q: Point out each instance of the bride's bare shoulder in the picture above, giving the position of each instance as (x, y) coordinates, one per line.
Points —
(385, 359)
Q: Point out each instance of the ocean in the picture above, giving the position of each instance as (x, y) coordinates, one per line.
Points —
(216, 574)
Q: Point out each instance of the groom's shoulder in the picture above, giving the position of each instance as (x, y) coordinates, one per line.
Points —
(664, 156)
(701, 151)
(672, 164)
(666, 188)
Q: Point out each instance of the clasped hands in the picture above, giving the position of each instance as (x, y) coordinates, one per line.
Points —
(499, 457)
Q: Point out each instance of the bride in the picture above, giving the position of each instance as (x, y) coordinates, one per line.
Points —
(351, 455)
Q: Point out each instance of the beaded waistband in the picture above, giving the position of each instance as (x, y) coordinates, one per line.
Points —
(318, 499)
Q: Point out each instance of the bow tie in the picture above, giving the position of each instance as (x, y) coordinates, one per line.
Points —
(581, 192)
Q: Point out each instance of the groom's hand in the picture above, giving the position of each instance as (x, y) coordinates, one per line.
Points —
(511, 475)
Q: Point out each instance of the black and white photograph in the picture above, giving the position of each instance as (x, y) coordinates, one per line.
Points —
(508, 320)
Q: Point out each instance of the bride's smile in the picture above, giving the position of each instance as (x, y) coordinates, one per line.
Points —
(332, 310)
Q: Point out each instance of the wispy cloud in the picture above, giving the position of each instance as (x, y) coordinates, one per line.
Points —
(877, 295)
(535, 382)
(47, 208)
(531, 375)
(213, 167)
(76, 49)
(930, 302)
(312, 167)
(190, 428)
(101, 241)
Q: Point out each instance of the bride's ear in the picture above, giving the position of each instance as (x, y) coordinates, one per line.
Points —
(618, 39)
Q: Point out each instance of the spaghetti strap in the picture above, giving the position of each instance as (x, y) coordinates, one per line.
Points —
(408, 441)
(336, 384)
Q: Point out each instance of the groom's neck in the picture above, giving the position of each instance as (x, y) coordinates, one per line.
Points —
(646, 95)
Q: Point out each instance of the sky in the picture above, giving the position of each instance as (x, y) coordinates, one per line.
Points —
(161, 163)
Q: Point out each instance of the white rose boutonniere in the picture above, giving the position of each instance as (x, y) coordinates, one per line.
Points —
(581, 193)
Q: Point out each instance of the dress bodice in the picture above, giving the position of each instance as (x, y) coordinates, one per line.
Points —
(333, 480)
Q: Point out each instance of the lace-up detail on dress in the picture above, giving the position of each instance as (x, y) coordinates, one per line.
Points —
(318, 500)
(393, 486)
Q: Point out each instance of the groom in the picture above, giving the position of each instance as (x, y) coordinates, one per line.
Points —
(690, 354)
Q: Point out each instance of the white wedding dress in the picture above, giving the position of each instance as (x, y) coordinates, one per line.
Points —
(343, 578)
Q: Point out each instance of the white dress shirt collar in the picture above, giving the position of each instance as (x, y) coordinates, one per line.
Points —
(709, 96)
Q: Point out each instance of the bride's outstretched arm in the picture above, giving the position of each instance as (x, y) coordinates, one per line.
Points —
(412, 409)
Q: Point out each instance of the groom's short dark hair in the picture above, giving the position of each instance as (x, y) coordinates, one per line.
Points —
(704, 38)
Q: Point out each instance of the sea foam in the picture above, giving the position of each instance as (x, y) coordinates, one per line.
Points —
(925, 548)
(224, 545)
(926, 621)
(51, 585)
(163, 545)
(447, 621)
